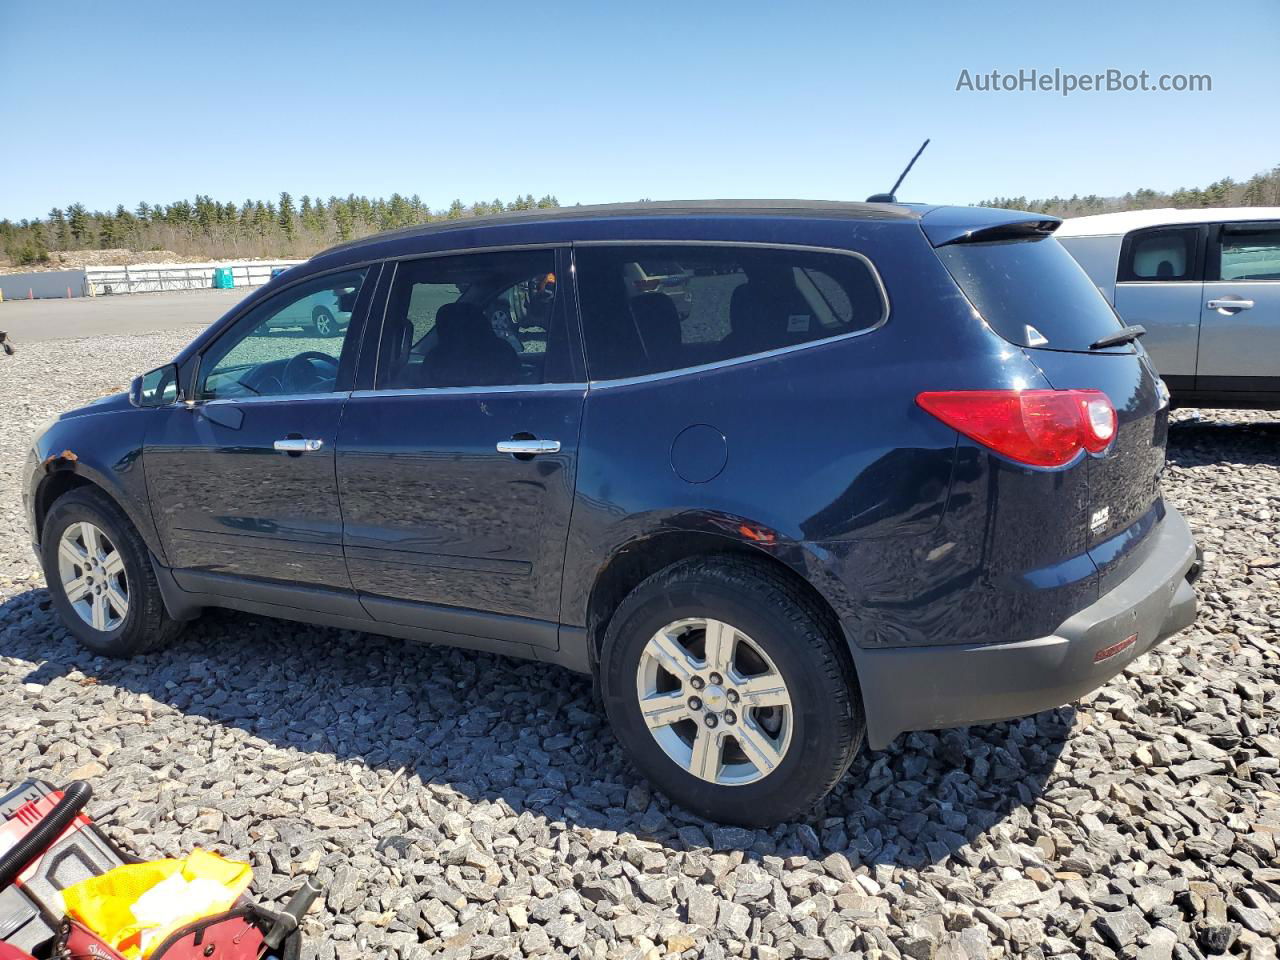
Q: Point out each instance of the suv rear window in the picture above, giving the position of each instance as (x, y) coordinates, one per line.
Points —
(1031, 291)
(650, 309)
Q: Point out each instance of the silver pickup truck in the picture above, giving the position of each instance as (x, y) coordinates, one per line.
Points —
(1205, 284)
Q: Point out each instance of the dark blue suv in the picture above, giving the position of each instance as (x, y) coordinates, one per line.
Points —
(781, 476)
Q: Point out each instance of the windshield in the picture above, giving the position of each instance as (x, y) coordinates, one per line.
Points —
(1032, 292)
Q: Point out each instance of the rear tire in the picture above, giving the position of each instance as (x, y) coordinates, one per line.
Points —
(763, 764)
(100, 577)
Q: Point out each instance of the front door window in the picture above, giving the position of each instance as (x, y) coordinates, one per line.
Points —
(292, 344)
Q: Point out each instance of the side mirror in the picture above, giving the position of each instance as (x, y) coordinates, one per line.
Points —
(158, 388)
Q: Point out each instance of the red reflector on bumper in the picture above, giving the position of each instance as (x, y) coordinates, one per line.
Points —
(1106, 653)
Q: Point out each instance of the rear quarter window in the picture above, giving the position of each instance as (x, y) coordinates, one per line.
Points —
(651, 309)
(1031, 292)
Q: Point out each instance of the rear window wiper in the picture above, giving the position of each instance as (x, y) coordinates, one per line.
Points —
(1123, 335)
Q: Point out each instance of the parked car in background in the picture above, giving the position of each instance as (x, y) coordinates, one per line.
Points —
(1205, 284)
(325, 313)
(898, 468)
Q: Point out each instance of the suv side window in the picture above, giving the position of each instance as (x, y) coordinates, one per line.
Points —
(290, 344)
(650, 309)
(474, 320)
(1165, 254)
(1250, 251)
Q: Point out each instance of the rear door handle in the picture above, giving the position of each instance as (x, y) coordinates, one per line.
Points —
(528, 448)
(1229, 304)
(298, 445)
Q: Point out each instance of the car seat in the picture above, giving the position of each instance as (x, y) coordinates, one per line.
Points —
(467, 352)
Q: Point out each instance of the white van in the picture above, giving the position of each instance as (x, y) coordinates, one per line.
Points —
(1205, 284)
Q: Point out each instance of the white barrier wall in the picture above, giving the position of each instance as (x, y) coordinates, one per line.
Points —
(150, 278)
(143, 278)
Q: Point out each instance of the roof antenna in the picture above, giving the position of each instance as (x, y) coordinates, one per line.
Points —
(891, 196)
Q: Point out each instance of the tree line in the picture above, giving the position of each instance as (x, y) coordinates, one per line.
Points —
(208, 228)
(1260, 190)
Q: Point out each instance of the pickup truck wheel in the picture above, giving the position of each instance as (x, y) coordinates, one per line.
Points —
(100, 577)
(731, 691)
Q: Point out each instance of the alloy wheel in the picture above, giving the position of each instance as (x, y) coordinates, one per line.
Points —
(93, 576)
(714, 701)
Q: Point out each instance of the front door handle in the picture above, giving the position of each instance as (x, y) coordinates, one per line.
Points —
(528, 448)
(298, 445)
(1229, 304)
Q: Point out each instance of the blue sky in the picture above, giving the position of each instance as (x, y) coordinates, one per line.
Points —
(617, 101)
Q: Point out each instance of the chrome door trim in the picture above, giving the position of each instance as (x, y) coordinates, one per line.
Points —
(283, 398)
(1154, 283)
(465, 391)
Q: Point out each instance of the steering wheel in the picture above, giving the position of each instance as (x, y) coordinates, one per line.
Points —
(309, 371)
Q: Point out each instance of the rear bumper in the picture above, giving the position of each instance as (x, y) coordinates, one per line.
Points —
(928, 688)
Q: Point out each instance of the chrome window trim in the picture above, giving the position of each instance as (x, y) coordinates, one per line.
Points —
(886, 308)
(464, 391)
(730, 362)
(282, 398)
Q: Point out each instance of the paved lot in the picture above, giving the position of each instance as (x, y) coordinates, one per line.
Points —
(30, 321)
(461, 805)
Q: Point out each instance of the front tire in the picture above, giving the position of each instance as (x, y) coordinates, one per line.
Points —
(324, 322)
(100, 577)
(731, 690)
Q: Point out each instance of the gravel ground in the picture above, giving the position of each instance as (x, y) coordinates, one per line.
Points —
(461, 805)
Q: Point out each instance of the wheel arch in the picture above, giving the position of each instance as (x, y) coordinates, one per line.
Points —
(638, 559)
(63, 475)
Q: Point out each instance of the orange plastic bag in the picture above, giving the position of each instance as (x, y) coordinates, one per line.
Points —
(135, 907)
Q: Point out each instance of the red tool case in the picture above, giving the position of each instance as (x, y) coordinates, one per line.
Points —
(31, 910)
(31, 907)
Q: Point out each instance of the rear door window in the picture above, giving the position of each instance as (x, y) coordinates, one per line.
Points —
(1032, 292)
(651, 309)
(1250, 251)
(474, 320)
(1166, 255)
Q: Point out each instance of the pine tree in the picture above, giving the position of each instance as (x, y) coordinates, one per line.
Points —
(78, 221)
(58, 229)
(286, 216)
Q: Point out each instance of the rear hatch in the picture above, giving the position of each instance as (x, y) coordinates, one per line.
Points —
(1033, 294)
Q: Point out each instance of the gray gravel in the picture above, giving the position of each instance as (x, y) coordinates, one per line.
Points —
(461, 805)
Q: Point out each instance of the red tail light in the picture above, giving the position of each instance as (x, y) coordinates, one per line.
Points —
(647, 286)
(1043, 428)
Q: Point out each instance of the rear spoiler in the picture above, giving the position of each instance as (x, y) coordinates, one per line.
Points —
(944, 225)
